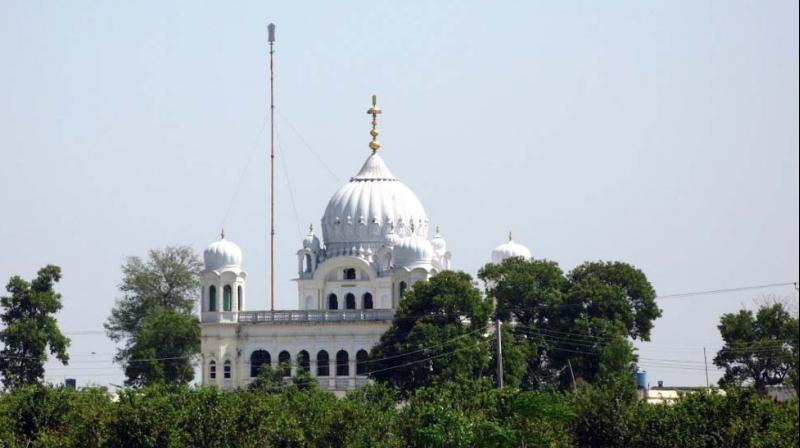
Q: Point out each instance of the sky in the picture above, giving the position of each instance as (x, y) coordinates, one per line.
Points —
(661, 133)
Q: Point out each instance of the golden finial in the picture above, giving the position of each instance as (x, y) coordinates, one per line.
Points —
(437, 229)
(374, 111)
(222, 233)
(311, 228)
(509, 235)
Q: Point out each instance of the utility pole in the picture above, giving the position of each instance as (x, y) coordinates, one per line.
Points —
(572, 375)
(499, 354)
(705, 361)
(271, 30)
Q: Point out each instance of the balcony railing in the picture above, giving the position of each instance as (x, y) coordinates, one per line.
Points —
(294, 316)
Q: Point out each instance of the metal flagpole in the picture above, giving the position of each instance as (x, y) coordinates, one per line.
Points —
(271, 30)
(705, 361)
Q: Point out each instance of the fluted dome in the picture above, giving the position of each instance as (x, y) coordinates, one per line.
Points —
(222, 254)
(361, 212)
(510, 249)
(413, 251)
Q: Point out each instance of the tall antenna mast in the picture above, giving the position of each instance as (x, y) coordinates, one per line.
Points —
(271, 30)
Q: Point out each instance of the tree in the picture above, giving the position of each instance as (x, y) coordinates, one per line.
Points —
(761, 349)
(30, 328)
(581, 320)
(437, 335)
(162, 290)
(529, 293)
(163, 349)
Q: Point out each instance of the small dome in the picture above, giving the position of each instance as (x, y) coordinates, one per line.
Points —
(222, 254)
(311, 241)
(438, 243)
(413, 251)
(510, 249)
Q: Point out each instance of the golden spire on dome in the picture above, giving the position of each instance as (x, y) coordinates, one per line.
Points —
(374, 111)
(509, 235)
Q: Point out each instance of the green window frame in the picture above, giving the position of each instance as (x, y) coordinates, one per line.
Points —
(227, 298)
(212, 298)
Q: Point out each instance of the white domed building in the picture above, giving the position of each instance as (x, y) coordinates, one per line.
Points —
(510, 249)
(374, 247)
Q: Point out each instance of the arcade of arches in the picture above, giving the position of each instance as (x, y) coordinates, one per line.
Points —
(321, 364)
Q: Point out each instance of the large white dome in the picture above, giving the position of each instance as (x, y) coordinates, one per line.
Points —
(510, 249)
(360, 213)
(222, 254)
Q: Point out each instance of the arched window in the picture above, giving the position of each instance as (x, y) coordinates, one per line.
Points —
(403, 287)
(350, 301)
(307, 263)
(226, 369)
(227, 294)
(258, 359)
(361, 362)
(285, 363)
(342, 363)
(212, 298)
(333, 302)
(212, 370)
(367, 301)
(303, 361)
(239, 298)
(349, 274)
(323, 364)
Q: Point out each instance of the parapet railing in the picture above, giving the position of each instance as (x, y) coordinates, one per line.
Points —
(292, 316)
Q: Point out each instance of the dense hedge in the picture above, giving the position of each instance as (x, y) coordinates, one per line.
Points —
(457, 415)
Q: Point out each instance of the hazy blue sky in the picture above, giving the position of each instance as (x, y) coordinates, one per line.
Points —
(664, 134)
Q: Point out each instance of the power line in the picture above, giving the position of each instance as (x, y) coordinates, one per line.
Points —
(286, 176)
(395, 367)
(243, 172)
(726, 290)
(581, 337)
(305, 143)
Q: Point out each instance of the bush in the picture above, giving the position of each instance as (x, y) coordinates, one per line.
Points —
(463, 414)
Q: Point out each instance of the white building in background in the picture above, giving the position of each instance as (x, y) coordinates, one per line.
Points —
(374, 246)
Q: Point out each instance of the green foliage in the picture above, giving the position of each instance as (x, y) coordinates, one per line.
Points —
(475, 413)
(617, 292)
(583, 319)
(46, 416)
(163, 349)
(760, 349)
(30, 328)
(454, 414)
(436, 336)
(157, 294)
